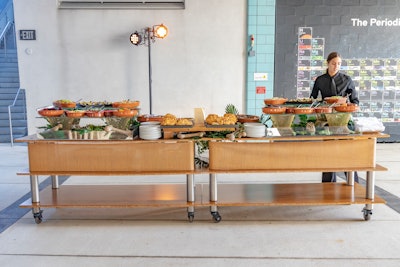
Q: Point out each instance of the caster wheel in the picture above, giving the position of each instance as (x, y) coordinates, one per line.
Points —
(191, 216)
(367, 214)
(38, 220)
(38, 217)
(216, 217)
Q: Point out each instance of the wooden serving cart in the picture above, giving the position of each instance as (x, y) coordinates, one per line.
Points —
(104, 158)
(347, 153)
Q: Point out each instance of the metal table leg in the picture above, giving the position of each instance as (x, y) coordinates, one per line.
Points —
(37, 212)
(350, 178)
(54, 182)
(370, 192)
(190, 196)
(214, 197)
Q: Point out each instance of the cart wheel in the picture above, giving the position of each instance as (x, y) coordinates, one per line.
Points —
(191, 216)
(367, 214)
(38, 217)
(216, 217)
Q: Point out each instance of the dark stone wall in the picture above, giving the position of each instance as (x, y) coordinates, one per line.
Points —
(331, 19)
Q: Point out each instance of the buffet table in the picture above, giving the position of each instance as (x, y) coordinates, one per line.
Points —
(347, 153)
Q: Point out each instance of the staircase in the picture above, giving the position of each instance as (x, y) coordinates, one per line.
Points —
(9, 86)
(12, 99)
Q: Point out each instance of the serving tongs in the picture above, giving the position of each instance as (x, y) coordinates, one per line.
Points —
(46, 107)
(316, 103)
(332, 105)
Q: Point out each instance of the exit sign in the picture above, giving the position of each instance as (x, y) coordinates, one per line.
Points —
(27, 34)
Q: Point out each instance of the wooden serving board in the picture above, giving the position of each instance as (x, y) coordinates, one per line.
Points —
(169, 133)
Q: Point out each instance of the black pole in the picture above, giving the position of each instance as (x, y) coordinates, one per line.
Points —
(150, 88)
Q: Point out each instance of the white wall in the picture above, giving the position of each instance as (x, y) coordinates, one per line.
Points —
(86, 54)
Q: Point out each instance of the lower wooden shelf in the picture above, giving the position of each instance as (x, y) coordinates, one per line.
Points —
(289, 195)
(114, 196)
(174, 195)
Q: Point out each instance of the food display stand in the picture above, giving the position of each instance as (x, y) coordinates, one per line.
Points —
(68, 150)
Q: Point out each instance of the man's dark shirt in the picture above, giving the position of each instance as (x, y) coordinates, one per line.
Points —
(343, 83)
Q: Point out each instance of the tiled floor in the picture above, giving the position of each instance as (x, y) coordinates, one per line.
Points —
(247, 236)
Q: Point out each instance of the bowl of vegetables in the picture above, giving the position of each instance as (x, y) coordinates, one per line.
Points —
(323, 109)
(275, 101)
(51, 112)
(274, 110)
(94, 113)
(126, 104)
(64, 103)
(125, 112)
(75, 113)
(346, 108)
(303, 110)
(335, 99)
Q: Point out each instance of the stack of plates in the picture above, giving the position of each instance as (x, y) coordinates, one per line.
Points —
(150, 130)
(254, 129)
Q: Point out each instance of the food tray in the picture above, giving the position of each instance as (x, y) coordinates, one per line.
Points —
(145, 118)
(177, 126)
(222, 126)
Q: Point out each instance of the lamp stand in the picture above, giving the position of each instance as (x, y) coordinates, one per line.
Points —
(150, 72)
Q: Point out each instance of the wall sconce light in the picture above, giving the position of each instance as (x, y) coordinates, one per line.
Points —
(146, 37)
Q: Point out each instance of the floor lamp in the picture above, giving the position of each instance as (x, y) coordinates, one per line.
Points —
(145, 37)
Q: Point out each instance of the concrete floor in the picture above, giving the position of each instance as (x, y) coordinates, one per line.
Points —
(246, 236)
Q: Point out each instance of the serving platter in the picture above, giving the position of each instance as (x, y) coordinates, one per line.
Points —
(223, 126)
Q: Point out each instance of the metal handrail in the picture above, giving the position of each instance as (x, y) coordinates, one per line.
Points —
(3, 35)
(6, 17)
(9, 114)
(5, 30)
